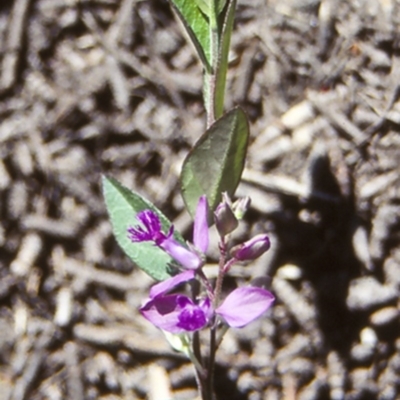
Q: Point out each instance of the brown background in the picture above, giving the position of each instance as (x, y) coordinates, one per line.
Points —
(101, 86)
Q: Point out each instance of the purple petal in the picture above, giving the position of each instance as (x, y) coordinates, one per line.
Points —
(192, 316)
(225, 220)
(163, 312)
(244, 305)
(169, 284)
(185, 257)
(151, 230)
(175, 314)
(138, 234)
(200, 229)
(251, 249)
(205, 305)
(150, 220)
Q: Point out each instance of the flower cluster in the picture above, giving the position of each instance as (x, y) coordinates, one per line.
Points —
(178, 313)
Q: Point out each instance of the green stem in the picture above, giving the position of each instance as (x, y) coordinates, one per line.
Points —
(211, 361)
(212, 75)
(213, 329)
(221, 272)
(195, 354)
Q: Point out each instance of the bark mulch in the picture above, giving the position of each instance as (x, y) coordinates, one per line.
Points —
(96, 87)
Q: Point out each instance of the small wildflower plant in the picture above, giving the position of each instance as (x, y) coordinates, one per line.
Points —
(185, 301)
(179, 313)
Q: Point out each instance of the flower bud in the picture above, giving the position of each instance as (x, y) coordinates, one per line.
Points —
(225, 220)
(240, 206)
(251, 249)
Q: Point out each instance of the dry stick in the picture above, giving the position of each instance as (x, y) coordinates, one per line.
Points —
(74, 377)
(285, 185)
(117, 78)
(32, 367)
(337, 117)
(55, 227)
(87, 272)
(13, 44)
(123, 18)
(394, 95)
(243, 81)
(130, 337)
(129, 59)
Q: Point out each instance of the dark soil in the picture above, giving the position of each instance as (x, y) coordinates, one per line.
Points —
(110, 87)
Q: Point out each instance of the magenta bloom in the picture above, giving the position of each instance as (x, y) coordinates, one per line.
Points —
(177, 313)
(244, 305)
(252, 249)
(151, 230)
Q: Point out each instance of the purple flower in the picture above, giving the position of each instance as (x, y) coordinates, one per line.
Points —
(225, 220)
(200, 228)
(151, 230)
(178, 313)
(244, 305)
(251, 249)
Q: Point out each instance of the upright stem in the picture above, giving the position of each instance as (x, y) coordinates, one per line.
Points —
(195, 286)
(207, 392)
(221, 272)
(211, 362)
(213, 329)
(211, 98)
(211, 76)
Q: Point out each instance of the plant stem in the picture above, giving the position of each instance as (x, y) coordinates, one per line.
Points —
(207, 391)
(221, 272)
(195, 287)
(213, 329)
(212, 75)
(211, 362)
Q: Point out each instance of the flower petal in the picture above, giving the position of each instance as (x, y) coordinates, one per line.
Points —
(175, 314)
(200, 229)
(244, 305)
(192, 316)
(252, 249)
(185, 257)
(163, 312)
(150, 229)
(169, 284)
(225, 220)
(205, 305)
(150, 220)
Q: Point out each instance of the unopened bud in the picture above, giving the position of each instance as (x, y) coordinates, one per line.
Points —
(251, 249)
(240, 206)
(225, 220)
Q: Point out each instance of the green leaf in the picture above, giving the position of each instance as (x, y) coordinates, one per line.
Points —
(216, 162)
(205, 5)
(222, 66)
(220, 5)
(196, 24)
(122, 206)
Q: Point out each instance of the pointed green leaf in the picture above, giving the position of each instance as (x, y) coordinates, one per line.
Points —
(222, 66)
(122, 206)
(215, 163)
(196, 24)
(220, 5)
(205, 6)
